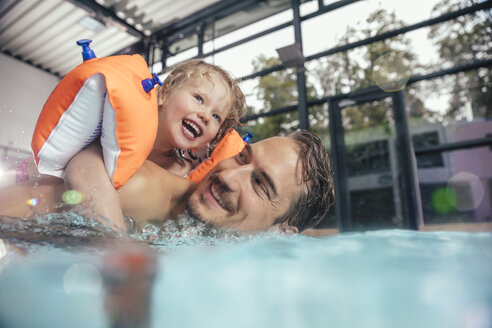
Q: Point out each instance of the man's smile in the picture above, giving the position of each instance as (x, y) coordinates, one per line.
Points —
(217, 194)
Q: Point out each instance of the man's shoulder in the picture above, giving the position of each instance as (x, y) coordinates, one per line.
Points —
(153, 178)
(153, 193)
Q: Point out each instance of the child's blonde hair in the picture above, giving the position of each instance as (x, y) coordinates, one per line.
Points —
(197, 68)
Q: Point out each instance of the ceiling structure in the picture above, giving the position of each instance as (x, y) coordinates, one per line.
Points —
(43, 32)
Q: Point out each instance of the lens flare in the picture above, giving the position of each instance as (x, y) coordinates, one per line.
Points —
(469, 190)
(32, 202)
(444, 200)
(82, 278)
(391, 72)
(72, 197)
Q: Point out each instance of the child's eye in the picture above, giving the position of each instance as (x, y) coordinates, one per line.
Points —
(216, 117)
(199, 99)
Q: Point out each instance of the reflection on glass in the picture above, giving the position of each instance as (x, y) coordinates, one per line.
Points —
(460, 190)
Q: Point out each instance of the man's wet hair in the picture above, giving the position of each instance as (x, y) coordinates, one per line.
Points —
(317, 174)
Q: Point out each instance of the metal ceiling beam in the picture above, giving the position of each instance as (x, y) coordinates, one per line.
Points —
(187, 26)
(93, 6)
(173, 31)
(6, 6)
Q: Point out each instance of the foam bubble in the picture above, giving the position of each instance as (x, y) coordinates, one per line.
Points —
(468, 189)
(72, 197)
(391, 72)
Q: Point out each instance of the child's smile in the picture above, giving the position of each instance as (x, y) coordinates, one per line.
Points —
(191, 129)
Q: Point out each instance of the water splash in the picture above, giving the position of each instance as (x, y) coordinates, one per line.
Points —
(66, 229)
(72, 230)
(187, 231)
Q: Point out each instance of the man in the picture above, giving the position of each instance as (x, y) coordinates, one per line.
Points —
(283, 182)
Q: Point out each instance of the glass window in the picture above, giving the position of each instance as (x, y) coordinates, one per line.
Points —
(372, 165)
(241, 60)
(182, 56)
(272, 91)
(271, 126)
(318, 123)
(424, 140)
(451, 105)
(368, 158)
(459, 191)
(244, 32)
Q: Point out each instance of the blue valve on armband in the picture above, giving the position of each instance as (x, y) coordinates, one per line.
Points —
(149, 84)
(248, 137)
(87, 52)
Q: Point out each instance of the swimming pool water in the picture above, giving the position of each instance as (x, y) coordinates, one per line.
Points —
(390, 278)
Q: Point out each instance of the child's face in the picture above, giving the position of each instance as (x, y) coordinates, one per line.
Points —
(193, 112)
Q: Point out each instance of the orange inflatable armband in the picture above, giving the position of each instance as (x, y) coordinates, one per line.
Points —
(229, 146)
(108, 98)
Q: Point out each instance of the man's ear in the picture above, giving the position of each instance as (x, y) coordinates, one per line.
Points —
(288, 229)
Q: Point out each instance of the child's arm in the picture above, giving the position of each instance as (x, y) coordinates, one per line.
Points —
(29, 198)
(87, 174)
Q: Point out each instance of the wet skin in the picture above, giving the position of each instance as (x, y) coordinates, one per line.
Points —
(251, 190)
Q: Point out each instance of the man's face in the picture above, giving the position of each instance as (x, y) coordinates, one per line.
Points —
(252, 189)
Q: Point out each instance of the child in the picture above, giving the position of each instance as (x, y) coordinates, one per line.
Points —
(198, 104)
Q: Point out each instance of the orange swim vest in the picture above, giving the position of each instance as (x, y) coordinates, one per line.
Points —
(102, 97)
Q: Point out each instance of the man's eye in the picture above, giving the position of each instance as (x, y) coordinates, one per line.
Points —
(216, 117)
(199, 99)
(241, 157)
(258, 183)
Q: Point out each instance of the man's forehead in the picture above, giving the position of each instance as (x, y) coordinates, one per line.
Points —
(275, 142)
(279, 153)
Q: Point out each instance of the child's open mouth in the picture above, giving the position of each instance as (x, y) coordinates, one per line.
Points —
(191, 129)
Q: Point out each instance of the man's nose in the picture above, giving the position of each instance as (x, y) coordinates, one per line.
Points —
(234, 175)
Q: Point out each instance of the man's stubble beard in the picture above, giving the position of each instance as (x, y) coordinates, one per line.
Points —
(191, 211)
